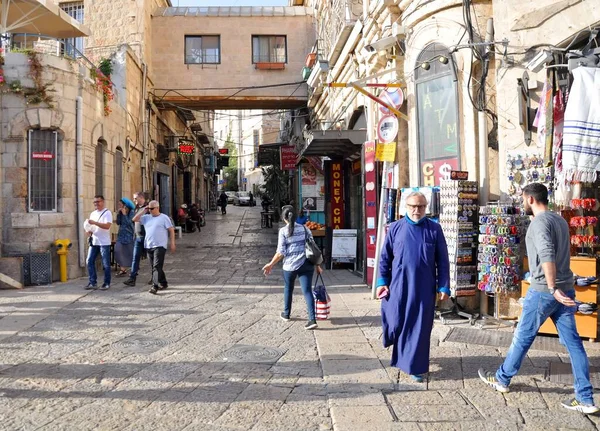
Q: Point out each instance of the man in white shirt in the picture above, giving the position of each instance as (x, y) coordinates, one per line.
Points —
(99, 240)
(158, 231)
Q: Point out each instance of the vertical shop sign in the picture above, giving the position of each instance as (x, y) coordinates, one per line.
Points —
(370, 208)
(288, 157)
(337, 195)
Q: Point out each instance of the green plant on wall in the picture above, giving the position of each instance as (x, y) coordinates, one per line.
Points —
(40, 92)
(101, 76)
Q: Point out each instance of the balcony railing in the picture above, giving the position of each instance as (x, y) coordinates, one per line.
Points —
(50, 46)
(335, 24)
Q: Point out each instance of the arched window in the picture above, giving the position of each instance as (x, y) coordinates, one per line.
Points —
(437, 115)
(100, 152)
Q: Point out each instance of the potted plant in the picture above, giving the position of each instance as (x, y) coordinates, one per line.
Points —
(311, 58)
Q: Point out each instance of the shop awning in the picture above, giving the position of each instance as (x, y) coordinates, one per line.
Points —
(332, 143)
(39, 17)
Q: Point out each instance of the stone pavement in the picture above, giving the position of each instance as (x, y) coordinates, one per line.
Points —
(211, 353)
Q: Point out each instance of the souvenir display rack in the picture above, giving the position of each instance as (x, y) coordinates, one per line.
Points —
(459, 222)
(501, 228)
(458, 218)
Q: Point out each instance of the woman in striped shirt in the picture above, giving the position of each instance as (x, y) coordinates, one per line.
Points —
(290, 248)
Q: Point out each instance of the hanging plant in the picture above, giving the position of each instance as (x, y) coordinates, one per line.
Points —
(40, 92)
(103, 83)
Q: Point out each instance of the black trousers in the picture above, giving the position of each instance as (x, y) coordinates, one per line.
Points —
(157, 258)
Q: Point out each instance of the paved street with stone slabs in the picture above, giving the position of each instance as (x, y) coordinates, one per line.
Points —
(211, 353)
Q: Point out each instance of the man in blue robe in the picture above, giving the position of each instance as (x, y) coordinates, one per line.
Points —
(414, 264)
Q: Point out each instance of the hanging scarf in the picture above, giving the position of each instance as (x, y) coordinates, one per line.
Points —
(559, 117)
(581, 135)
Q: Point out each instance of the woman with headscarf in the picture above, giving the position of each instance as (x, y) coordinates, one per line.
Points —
(124, 244)
(290, 248)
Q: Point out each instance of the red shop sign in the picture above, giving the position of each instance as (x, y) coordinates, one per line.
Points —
(44, 155)
(370, 208)
(337, 195)
(288, 157)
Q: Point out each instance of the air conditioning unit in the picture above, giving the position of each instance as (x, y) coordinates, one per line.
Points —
(320, 69)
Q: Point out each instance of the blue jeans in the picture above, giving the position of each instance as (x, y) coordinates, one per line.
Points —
(93, 251)
(138, 248)
(538, 306)
(305, 274)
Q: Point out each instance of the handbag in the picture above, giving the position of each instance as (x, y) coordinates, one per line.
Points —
(322, 300)
(311, 249)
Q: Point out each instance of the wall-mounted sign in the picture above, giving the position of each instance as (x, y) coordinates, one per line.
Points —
(386, 152)
(185, 148)
(459, 175)
(42, 155)
(288, 157)
(387, 129)
(268, 156)
(394, 97)
(370, 227)
(223, 150)
(436, 170)
(337, 195)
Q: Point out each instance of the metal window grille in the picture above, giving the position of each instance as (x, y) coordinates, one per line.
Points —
(202, 49)
(73, 47)
(118, 177)
(269, 49)
(100, 169)
(43, 171)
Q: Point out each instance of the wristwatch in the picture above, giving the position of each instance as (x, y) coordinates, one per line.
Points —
(552, 290)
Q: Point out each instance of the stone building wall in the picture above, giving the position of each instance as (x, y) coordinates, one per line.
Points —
(525, 25)
(171, 72)
(25, 231)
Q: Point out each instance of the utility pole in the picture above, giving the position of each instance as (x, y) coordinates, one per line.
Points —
(240, 148)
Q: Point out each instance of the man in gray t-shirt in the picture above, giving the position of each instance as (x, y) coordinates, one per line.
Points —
(548, 242)
(158, 230)
(551, 295)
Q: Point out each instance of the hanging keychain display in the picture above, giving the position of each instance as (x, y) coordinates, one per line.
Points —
(526, 168)
(459, 222)
(499, 253)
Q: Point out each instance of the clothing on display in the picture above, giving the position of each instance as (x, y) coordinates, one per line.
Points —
(581, 133)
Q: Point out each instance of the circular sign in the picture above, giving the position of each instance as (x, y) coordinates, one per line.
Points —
(393, 97)
(387, 129)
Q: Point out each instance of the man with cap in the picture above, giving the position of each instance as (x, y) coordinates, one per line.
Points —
(158, 231)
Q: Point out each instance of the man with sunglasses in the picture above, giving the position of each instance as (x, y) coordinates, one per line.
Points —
(414, 265)
(99, 240)
(159, 229)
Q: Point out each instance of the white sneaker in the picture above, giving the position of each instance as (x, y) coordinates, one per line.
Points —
(490, 379)
(573, 404)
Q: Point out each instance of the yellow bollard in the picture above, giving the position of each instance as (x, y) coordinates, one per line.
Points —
(62, 249)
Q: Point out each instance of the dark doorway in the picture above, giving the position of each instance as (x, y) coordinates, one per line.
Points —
(187, 188)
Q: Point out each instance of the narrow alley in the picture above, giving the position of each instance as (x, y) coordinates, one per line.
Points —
(211, 353)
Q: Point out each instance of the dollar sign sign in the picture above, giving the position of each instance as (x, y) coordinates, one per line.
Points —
(445, 171)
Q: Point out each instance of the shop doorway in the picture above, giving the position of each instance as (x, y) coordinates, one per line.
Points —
(163, 196)
(187, 188)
